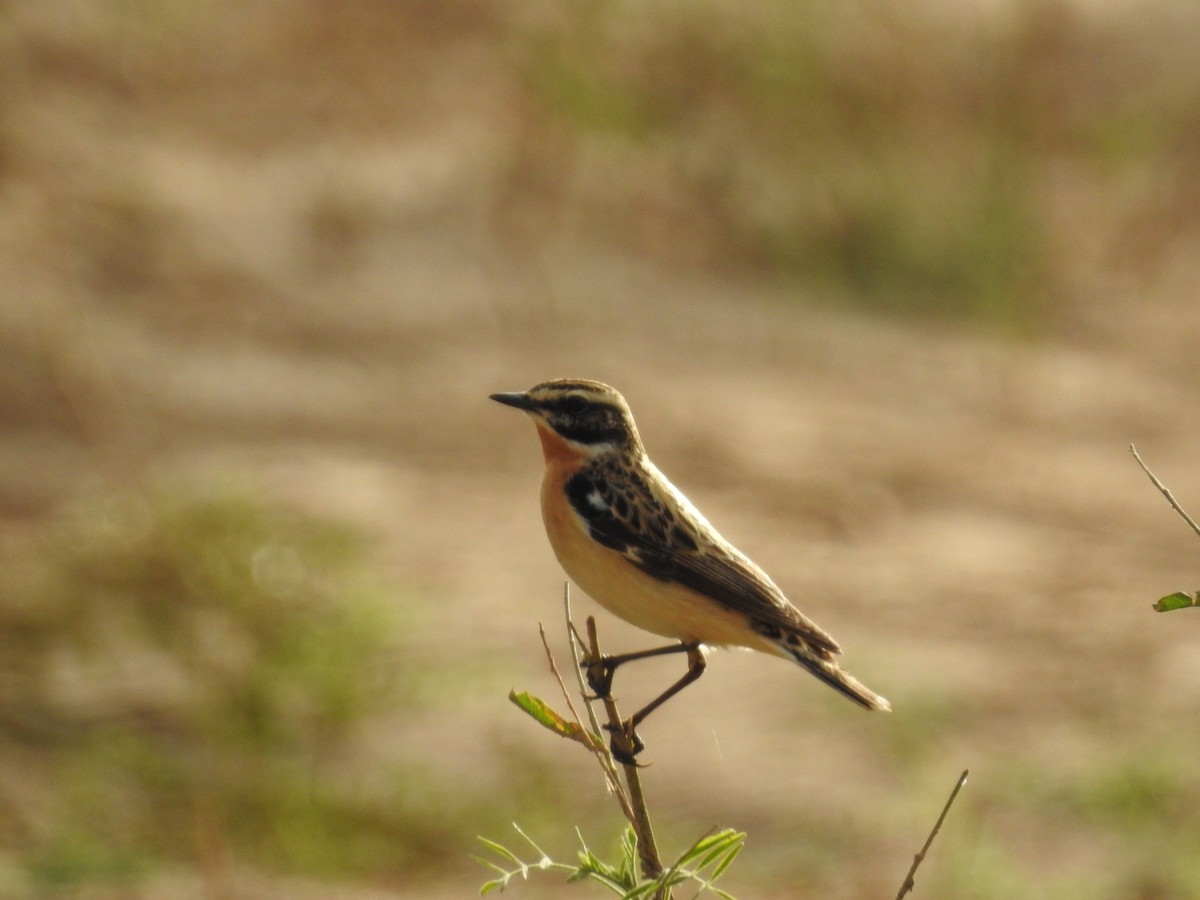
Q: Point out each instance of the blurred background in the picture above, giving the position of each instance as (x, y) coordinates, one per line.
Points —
(891, 289)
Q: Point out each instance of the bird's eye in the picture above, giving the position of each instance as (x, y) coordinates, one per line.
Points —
(573, 403)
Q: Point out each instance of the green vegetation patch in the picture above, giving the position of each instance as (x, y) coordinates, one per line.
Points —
(188, 677)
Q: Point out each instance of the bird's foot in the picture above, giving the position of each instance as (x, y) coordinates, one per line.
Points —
(599, 674)
(625, 744)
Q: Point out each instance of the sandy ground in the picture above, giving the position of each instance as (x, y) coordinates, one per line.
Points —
(959, 508)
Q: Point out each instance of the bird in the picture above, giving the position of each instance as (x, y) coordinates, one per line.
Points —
(637, 546)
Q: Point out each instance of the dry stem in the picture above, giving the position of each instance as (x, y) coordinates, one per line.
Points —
(640, 820)
(910, 878)
(590, 737)
(1166, 493)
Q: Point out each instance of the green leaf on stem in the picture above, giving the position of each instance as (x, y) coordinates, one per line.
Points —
(541, 713)
(1177, 600)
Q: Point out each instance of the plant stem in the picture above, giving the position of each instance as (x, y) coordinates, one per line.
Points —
(1164, 491)
(910, 878)
(652, 866)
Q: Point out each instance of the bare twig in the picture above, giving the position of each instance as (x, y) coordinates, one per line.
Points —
(1165, 492)
(909, 879)
(575, 640)
(589, 736)
(594, 744)
(652, 866)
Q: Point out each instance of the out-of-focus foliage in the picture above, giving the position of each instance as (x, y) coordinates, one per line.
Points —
(897, 157)
(871, 150)
(185, 677)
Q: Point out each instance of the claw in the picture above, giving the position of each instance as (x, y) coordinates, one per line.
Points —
(599, 674)
(625, 744)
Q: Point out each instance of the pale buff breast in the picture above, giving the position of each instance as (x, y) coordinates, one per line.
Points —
(663, 608)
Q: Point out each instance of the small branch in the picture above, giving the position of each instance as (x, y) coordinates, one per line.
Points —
(575, 642)
(629, 795)
(589, 737)
(652, 866)
(909, 879)
(1165, 492)
(594, 744)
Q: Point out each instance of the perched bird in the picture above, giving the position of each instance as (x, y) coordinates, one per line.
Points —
(637, 546)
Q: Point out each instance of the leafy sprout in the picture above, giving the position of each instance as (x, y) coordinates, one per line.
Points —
(701, 865)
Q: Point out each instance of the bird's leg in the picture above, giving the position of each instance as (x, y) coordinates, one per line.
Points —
(600, 671)
(625, 743)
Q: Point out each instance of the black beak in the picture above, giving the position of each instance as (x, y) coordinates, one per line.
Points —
(517, 399)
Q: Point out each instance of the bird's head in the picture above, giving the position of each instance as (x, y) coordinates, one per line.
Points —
(591, 417)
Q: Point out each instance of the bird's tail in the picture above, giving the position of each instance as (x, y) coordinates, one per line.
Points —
(837, 678)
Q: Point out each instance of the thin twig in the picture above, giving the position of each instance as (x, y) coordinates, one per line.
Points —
(647, 848)
(909, 879)
(589, 735)
(1165, 492)
(576, 644)
(562, 686)
(597, 747)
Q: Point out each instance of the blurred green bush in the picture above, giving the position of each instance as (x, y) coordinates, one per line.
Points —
(902, 159)
(183, 677)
